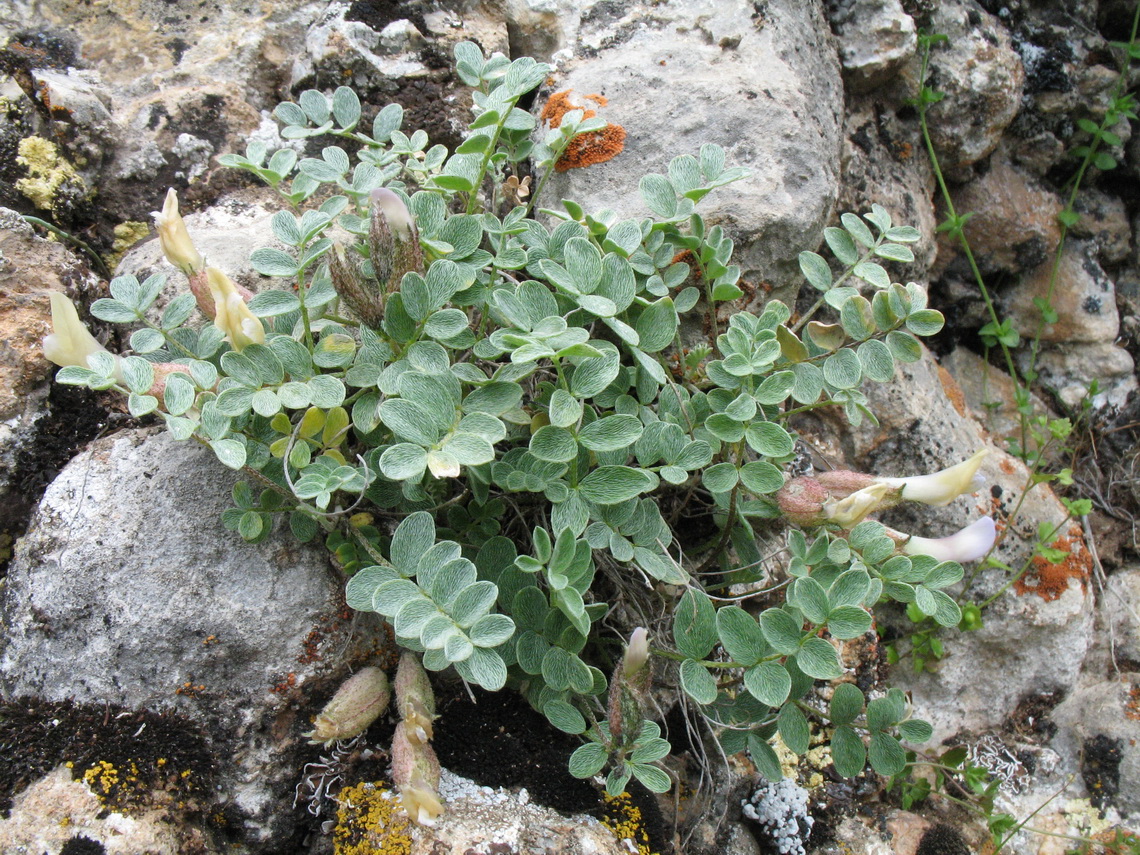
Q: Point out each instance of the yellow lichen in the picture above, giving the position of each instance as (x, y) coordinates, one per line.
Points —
(127, 234)
(370, 821)
(48, 171)
(621, 816)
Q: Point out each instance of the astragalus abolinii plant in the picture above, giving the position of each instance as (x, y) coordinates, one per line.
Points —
(502, 426)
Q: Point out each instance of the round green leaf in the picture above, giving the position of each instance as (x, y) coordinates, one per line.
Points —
(587, 760)
(697, 682)
(769, 439)
(848, 752)
(553, 444)
(769, 683)
(818, 659)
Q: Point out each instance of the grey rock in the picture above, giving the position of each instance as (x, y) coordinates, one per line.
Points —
(1068, 369)
(875, 38)
(1122, 599)
(765, 86)
(1083, 296)
(1100, 723)
(881, 165)
(127, 589)
(981, 76)
(541, 28)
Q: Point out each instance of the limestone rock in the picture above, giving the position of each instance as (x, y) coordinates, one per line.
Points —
(1122, 598)
(988, 392)
(882, 165)
(56, 809)
(541, 28)
(128, 590)
(875, 38)
(1070, 368)
(1013, 226)
(674, 74)
(1083, 297)
(1100, 723)
(981, 76)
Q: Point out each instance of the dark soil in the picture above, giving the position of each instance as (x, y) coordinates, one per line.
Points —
(148, 752)
(74, 417)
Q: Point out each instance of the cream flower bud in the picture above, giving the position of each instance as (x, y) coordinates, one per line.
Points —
(395, 212)
(70, 342)
(357, 703)
(232, 316)
(941, 488)
(969, 544)
(176, 244)
(636, 652)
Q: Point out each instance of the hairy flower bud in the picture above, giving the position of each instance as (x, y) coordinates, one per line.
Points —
(416, 772)
(841, 483)
(70, 342)
(393, 240)
(357, 703)
(801, 500)
(415, 700)
(175, 240)
(231, 315)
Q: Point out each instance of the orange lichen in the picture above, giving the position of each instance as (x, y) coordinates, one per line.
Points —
(585, 149)
(1132, 705)
(953, 391)
(1050, 580)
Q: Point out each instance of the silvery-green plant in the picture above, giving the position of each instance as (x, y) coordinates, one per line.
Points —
(495, 422)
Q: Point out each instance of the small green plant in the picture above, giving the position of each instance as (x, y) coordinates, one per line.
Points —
(500, 425)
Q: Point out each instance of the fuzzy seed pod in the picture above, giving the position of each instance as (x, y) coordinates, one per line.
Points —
(356, 704)
(361, 294)
(415, 771)
(841, 483)
(415, 700)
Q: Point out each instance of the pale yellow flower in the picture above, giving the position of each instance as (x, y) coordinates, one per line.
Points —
(70, 342)
(232, 316)
(941, 488)
(176, 244)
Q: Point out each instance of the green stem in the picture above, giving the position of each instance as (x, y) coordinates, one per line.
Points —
(96, 260)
